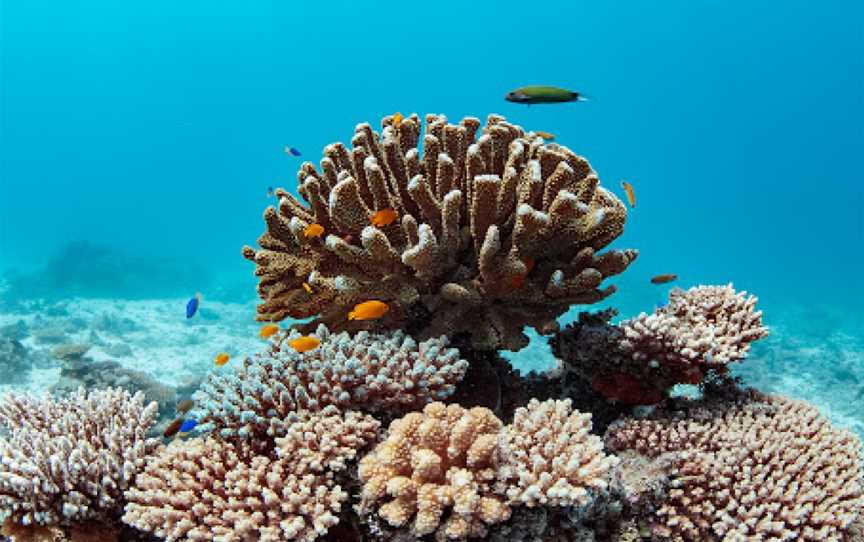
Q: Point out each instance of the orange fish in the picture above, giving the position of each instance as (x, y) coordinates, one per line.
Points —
(268, 331)
(631, 196)
(397, 119)
(173, 427)
(545, 135)
(221, 359)
(313, 230)
(369, 310)
(307, 288)
(304, 343)
(384, 217)
(663, 279)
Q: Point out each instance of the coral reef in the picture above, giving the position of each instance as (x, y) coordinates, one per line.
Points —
(79, 371)
(550, 457)
(68, 461)
(387, 373)
(752, 467)
(700, 331)
(436, 470)
(492, 235)
(455, 472)
(209, 489)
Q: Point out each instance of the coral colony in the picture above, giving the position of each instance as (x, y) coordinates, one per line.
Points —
(402, 422)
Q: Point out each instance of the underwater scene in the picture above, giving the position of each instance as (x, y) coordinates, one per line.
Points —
(458, 271)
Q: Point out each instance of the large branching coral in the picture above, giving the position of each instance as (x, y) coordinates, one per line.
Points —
(751, 467)
(210, 489)
(493, 234)
(68, 461)
(371, 372)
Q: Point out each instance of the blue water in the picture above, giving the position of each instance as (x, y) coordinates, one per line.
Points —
(150, 132)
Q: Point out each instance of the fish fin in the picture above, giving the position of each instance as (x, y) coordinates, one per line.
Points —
(581, 98)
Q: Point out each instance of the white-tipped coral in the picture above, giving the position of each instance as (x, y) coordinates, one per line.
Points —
(370, 372)
(435, 472)
(756, 468)
(209, 489)
(550, 457)
(68, 461)
(496, 231)
(704, 326)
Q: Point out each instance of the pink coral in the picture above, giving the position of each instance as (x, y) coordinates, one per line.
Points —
(208, 489)
(755, 468)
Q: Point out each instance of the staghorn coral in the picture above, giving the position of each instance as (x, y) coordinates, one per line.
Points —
(68, 461)
(209, 489)
(493, 235)
(550, 457)
(699, 332)
(387, 372)
(750, 468)
(436, 471)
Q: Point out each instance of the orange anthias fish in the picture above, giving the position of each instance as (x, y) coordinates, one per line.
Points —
(384, 217)
(663, 279)
(304, 343)
(313, 230)
(221, 359)
(268, 331)
(369, 310)
(631, 196)
(397, 119)
(545, 135)
(307, 288)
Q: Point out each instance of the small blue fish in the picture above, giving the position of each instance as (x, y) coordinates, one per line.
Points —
(292, 151)
(192, 305)
(187, 426)
(660, 304)
(270, 192)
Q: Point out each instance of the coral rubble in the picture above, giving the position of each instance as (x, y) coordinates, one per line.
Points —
(374, 372)
(68, 461)
(493, 234)
(750, 468)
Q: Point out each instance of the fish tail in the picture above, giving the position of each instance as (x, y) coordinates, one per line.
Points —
(581, 97)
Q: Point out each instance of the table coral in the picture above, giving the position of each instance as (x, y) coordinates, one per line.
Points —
(550, 457)
(68, 461)
(493, 234)
(209, 489)
(751, 468)
(370, 372)
(436, 471)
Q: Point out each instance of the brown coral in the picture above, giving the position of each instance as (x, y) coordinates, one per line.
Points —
(371, 372)
(756, 468)
(494, 234)
(68, 461)
(436, 470)
(202, 490)
(550, 457)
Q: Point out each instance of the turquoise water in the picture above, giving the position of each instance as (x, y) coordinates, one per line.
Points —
(138, 142)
